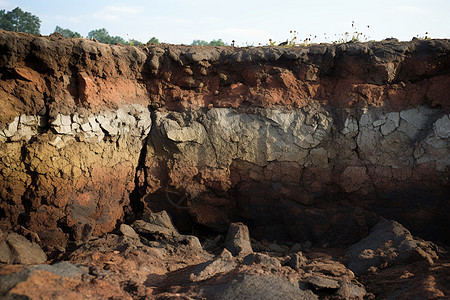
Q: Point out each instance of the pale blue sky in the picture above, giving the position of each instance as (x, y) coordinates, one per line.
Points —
(252, 22)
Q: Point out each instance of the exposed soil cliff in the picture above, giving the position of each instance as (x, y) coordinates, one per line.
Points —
(310, 143)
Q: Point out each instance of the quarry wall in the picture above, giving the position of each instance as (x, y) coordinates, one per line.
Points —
(303, 143)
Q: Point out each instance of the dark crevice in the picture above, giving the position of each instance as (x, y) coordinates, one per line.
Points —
(105, 133)
(45, 127)
(136, 203)
(73, 86)
(10, 74)
(62, 224)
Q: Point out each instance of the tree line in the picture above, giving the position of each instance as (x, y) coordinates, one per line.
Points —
(20, 21)
(218, 42)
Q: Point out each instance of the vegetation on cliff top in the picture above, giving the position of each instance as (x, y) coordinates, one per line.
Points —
(218, 42)
(18, 20)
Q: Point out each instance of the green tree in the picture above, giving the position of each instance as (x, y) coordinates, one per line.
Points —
(154, 41)
(134, 42)
(117, 40)
(103, 36)
(18, 20)
(199, 43)
(100, 35)
(218, 42)
(67, 32)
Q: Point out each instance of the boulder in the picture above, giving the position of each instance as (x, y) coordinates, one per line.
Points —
(388, 243)
(351, 290)
(43, 282)
(63, 269)
(16, 249)
(258, 287)
(161, 218)
(238, 240)
(320, 282)
(210, 268)
(192, 241)
(297, 261)
(263, 260)
(148, 229)
(128, 231)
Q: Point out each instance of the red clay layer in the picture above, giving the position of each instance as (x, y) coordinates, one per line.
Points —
(49, 75)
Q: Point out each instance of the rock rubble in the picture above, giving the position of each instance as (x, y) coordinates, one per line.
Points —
(131, 265)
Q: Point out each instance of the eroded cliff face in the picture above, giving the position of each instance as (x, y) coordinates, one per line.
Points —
(311, 143)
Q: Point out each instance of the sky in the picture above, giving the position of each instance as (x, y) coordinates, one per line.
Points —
(246, 22)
